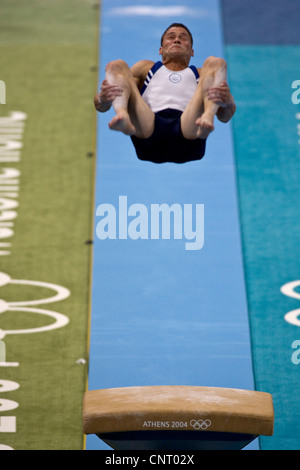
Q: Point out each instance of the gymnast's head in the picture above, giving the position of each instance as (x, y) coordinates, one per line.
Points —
(176, 41)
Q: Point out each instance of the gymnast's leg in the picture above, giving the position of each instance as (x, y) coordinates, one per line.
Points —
(133, 116)
(197, 121)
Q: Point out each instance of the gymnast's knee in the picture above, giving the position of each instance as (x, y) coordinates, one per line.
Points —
(116, 66)
(214, 63)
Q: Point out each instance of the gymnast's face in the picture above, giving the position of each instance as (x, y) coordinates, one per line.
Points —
(176, 43)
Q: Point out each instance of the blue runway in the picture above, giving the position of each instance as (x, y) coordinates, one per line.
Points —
(163, 314)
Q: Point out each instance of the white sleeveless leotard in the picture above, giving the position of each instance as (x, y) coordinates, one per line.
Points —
(164, 88)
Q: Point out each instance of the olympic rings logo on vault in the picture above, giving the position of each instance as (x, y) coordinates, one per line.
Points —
(200, 424)
(29, 306)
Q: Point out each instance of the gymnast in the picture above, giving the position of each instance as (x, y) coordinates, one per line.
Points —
(167, 107)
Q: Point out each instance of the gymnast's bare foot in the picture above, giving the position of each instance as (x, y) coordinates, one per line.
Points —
(121, 122)
(205, 125)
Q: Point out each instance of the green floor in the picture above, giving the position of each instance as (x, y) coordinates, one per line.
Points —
(48, 59)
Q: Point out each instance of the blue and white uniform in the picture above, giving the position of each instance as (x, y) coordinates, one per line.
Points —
(165, 89)
(168, 93)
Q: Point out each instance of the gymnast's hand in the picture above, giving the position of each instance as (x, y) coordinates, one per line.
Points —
(103, 100)
(220, 94)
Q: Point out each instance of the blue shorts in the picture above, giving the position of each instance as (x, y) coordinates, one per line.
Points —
(167, 143)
